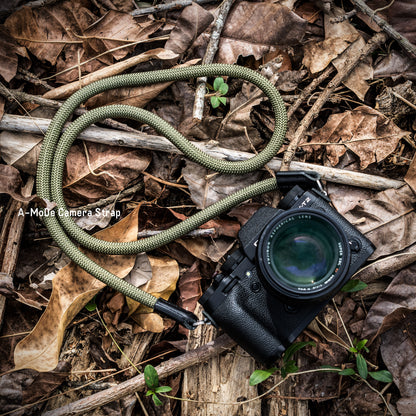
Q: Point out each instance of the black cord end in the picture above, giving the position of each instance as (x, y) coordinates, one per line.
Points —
(180, 315)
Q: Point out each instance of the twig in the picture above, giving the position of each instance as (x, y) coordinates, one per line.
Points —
(11, 236)
(209, 58)
(371, 45)
(200, 232)
(409, 47)
(20, 96)
(165, 369)
(115, 69)
(109, 200)
(174, 5)
(22, 124)
(344, 17)
(308, 90)
(148, 40)
(32, 78)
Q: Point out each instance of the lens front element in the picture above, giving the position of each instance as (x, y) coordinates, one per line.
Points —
(303, 252)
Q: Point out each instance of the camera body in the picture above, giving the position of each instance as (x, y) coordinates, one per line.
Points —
(261, 300)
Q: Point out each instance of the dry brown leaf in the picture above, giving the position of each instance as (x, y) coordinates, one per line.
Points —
(45, 383)
(397, 301)
(11, 183)
(241, 35)
(205, 192)
(20, 150)
(84, 35)
(396, 65)
(398, 351)
(193, 20)
(137, 96)
(189, 291)
(113, 167)
(364, 131)
(73, 287)
(338, 37)
(341, 44)
(410, 177)
(388, 220)
(402, 16)
(9, 49)
(66, 90)
(38, 29)
(165, 274)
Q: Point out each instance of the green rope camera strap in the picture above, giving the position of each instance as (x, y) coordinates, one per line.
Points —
(57, 144)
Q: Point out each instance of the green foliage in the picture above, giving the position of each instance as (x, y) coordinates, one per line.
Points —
(347, 372)
(383, 375)
(151, 379)
(91, 305)
(354, 285)
(359, 345)
(361, 366)
(259, 376)
(221, 88)
(289, 365)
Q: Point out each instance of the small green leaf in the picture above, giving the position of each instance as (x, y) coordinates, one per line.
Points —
(347, 372)
(353, 349)
(383, 375)
(91, 305)
(215, 102)
(296, 346)
(156, 400)
(223, 100)
(354, 286)
(362, 366)
(260, 375)
(291, 367)
(163, 389)
(150, 377)
(217, 83)
(223, 89)
(361, 344)
(149, 392)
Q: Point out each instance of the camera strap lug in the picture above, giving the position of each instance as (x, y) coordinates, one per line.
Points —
(306, 180)
(205, 321)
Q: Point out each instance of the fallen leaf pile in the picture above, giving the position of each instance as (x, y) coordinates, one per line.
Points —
(62, 328)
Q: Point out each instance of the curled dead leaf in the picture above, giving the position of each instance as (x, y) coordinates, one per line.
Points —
(165, 274)
(193, 20)
(364, 131)
(388, 220)
(393, 305)
(72, 289)
(205, 192)
(11, 183)
(241, 35)
(94, 171)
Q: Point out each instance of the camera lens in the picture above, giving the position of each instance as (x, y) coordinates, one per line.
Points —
(302, 252)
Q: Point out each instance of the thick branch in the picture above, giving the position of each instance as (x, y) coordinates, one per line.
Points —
(393, 33)
(20, 96)
(174, 5)
(167, 368)
(32, 125)
(371, 45)
(209, 57)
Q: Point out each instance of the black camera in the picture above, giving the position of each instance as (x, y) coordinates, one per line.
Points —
(290, 263)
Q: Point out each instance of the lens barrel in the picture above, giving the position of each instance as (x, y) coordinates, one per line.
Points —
(304, 255)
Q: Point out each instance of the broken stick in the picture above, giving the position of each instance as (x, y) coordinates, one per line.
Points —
(22, 124)
(371, 45)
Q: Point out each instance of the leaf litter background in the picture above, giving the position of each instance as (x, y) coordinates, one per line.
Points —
(365, 127)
